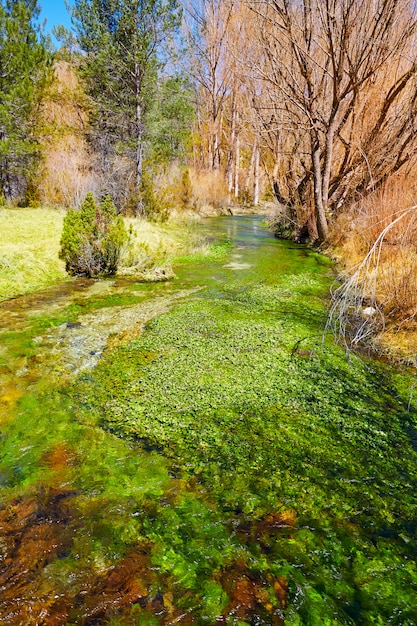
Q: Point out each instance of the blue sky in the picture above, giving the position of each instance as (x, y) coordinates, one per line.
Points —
(55, 13)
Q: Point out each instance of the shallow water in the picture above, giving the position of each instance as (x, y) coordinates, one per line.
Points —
(193, 452)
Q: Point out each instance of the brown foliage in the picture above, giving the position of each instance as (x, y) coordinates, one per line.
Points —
(375, 241)
(66, 175)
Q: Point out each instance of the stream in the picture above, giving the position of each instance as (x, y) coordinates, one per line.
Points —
(196, 451)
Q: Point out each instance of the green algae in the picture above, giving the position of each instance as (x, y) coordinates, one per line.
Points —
(219, 386)
(228, 411)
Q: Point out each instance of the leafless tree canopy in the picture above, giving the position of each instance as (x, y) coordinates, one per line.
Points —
(315, 100)
(340, 77)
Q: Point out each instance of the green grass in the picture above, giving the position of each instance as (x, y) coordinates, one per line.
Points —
(153, 244)
(30, 242)
(29, 246)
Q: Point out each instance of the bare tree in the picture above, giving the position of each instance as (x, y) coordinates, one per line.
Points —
(344, 80)
(207, 25)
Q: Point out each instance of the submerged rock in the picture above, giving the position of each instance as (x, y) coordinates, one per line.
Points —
(83, 346)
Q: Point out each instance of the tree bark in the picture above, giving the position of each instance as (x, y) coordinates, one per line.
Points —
(237, 163)
(139, 139)
(328, 159)
(256, 175)
(320, 211)
(232, 149)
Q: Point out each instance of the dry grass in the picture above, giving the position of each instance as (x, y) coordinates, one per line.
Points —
(29, 247)
(376, 242)
(209, 190)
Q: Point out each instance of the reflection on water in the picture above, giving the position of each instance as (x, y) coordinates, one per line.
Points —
(235, 265)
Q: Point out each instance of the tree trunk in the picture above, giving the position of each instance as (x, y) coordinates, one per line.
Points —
(319, 208)
(214, 148)
(256, 175)
(237, 163)
(328, 162)
(139, 139)
(216, 144)
(5, 185)
(139, 146)
(231, 154)
(250, 169)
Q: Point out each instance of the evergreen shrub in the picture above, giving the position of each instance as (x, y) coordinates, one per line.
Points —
(92, 239)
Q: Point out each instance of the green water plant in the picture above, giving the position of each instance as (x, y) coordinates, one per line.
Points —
(227, 465)
(93, 238)
(266, 428)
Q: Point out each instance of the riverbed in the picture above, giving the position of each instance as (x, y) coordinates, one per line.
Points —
(198, 451)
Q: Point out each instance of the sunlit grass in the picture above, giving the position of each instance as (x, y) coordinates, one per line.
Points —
(29, 246)
(153, 245)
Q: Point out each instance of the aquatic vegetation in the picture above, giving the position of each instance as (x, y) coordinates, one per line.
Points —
(228, 465)
(220, 388)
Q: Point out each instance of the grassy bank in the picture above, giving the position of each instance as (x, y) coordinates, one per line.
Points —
(29, 247)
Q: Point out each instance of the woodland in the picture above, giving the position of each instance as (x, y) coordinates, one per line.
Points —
(306, 107)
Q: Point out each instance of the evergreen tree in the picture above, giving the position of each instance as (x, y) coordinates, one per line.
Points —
(125, 42)
(171, 119)
(92, 239)
(24, 63)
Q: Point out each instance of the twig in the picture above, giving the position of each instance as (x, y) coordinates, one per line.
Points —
(347, 317)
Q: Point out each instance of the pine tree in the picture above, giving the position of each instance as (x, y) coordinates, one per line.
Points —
(170, 120)
(24, 68)
(125, 42)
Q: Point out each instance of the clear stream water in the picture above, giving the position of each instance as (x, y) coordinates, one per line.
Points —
(194, 452)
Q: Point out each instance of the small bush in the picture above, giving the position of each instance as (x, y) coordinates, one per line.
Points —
(186, 196)
(92, 239)
(154, 200)
(32, 197)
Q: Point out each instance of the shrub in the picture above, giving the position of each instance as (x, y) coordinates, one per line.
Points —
(92, 239)
(154, 200)
(186, 195)
(32, 197)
